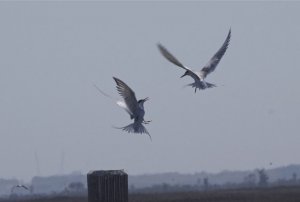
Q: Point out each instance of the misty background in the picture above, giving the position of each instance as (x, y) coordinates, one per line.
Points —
(53, 121)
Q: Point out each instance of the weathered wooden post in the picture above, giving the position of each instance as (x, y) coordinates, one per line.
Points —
(107, 186)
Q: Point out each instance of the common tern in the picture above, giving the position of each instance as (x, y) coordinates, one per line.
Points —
(198, 76)
(134, 107)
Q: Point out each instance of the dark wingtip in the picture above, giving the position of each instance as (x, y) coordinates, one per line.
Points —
(229, 34)
(227, 40)
(161, 48)
(118, 83)
(117, 80)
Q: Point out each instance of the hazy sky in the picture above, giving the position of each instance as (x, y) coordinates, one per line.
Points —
(50, 113)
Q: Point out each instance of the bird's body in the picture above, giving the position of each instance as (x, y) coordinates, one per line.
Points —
(134, 107)
(199, 76)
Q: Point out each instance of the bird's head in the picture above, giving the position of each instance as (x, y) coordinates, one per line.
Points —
(186, 73)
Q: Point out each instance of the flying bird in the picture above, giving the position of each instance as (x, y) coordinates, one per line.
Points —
(134, 107)
(199, 76)
(19, 186)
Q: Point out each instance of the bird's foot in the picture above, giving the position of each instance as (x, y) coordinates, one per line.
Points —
(146, 122)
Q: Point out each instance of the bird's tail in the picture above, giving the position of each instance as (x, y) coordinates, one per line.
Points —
(200, 85)
(210, 85)
(135, 127)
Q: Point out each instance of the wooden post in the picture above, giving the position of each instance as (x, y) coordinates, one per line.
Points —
(107, 186)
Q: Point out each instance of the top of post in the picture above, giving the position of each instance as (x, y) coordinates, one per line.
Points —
(107, 172)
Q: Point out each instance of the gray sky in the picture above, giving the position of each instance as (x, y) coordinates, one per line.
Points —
(52, 53)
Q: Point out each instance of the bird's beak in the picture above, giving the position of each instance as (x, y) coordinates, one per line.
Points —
(146, 99)
(185, 73)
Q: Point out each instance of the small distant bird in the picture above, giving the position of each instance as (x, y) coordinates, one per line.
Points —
(198, 76)
(134, 107)
(19, 186)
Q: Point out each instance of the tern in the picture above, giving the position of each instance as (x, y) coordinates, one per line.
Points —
(198, 76)
(19, 186)
(134, 107)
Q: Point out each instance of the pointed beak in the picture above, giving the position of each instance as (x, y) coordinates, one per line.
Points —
(185, 73)
(146, 99)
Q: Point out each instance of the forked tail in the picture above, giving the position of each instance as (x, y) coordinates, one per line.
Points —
(200, 85)
(210, 85)
(135, 127)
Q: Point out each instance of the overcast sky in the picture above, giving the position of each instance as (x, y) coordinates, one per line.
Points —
(53, 121)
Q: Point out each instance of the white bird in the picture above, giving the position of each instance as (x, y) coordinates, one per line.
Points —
(133, 107)
(199, 76)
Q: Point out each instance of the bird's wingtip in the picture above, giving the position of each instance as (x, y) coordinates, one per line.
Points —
(229, 33)
(160, 46)
(116, 79)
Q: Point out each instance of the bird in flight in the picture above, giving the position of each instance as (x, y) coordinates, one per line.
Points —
(134, 107)
(199, 76)
(19, 186)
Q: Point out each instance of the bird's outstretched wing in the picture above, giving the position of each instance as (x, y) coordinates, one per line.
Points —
(23, 186)
(214, 61)
(172, 59)
(120, 103)
(18, 186)
(128, 95)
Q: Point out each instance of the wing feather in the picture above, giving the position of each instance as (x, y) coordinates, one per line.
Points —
(128, 95)
(214, 61)
(173, 60)
(170, 57)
